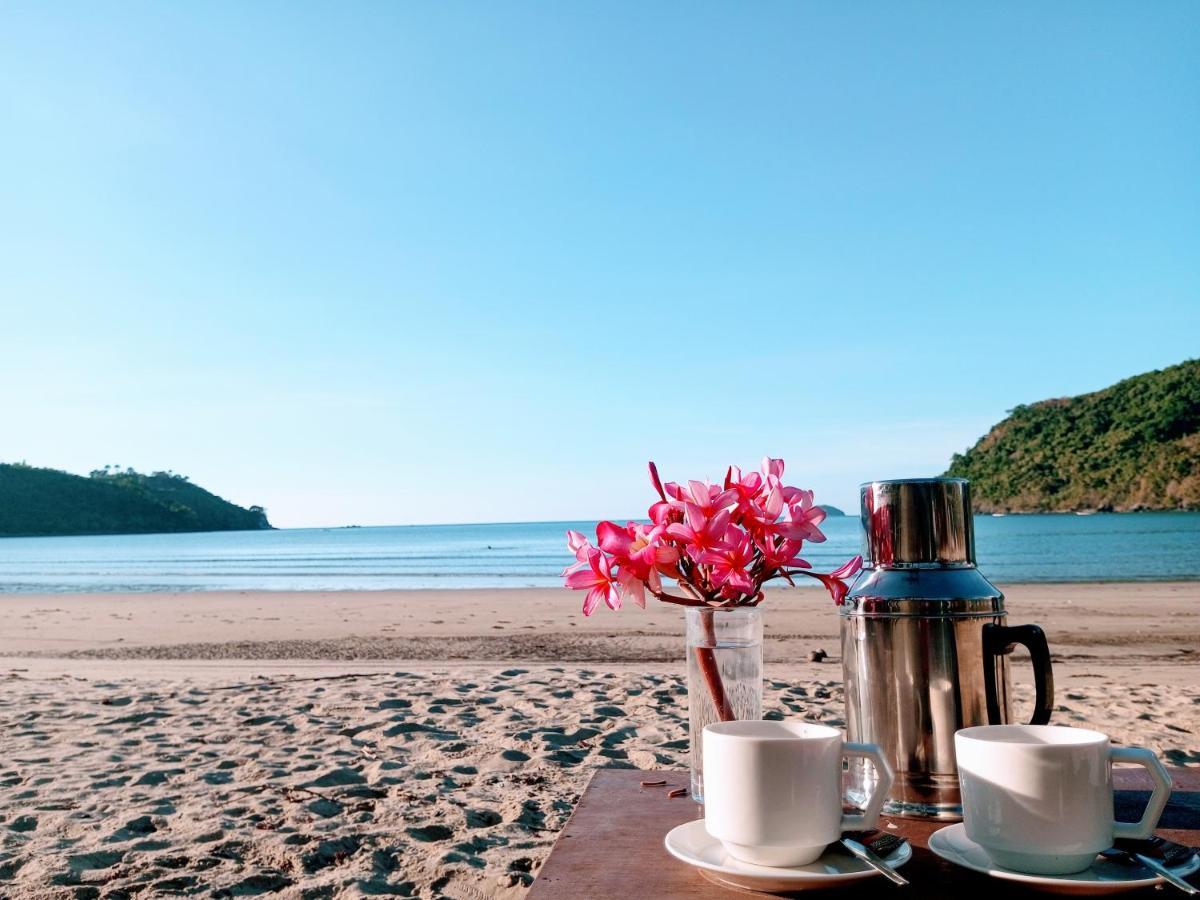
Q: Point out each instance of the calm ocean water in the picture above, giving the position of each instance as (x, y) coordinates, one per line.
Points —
(1139, 546)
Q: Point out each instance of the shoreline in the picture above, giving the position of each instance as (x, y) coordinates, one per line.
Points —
(801, 586)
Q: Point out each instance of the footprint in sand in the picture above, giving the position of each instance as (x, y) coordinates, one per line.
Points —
(101, 859)
(132, 830)
(429, 833)
(482, 818)
(23, 824)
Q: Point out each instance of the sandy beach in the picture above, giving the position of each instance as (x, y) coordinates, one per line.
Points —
(425, 743)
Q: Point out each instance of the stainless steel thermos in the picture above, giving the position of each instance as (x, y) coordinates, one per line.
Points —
(925, 642)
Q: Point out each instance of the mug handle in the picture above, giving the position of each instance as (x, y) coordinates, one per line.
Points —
(998, 640)
(870, 814)
(1158, 799)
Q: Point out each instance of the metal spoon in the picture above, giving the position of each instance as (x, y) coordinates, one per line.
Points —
(1134, 859)
(867, 852)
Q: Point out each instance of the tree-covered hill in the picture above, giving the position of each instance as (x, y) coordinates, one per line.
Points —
(46, 501)
(1135, 445)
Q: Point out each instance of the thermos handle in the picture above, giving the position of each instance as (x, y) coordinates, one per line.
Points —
(999, 640)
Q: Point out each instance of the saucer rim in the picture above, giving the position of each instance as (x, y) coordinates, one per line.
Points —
(782, 873)
(1071, 880)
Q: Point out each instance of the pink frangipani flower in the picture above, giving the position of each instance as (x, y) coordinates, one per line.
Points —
(699, 533)
(595, 577)
(579, 546)
(665, 512)
(576, 542)
(838, 581)
(800, 520)
(772, 468)
(780, 553)
(729, 561)
(748, 488)
(635, 548)
(709, 498)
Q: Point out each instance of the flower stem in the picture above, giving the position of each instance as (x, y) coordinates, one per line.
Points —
(706, 657)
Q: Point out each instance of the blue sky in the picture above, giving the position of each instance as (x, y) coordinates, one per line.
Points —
(385, 263)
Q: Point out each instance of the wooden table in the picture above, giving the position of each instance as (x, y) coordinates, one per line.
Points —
(612, 847)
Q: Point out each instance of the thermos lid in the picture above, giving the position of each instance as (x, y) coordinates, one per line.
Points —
(918, 522)
(919, 550)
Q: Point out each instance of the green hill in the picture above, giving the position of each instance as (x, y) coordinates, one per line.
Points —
(1135, 445)
(47, 501)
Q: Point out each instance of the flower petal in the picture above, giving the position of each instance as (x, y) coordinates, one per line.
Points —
(612, 538)
(581, 579)
(591, 601)
(849, 568)
(654, 479)
(612, 596)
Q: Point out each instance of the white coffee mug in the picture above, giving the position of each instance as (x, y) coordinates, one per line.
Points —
(1039, 798)
(773, 790)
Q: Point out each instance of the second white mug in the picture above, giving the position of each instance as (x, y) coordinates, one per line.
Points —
(773, 790)
(1039, 798)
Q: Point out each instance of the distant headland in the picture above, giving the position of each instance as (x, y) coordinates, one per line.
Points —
(41, 502)
(1132, 446)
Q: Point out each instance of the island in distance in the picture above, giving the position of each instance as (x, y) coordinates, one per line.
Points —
(1132, 446)
(40, 502)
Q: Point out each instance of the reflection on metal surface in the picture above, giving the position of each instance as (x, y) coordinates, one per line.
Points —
(920, 521)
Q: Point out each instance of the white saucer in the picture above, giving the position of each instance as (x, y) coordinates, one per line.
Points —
(692, 844)
(1104, 877)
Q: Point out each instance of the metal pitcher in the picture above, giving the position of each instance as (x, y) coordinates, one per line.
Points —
(925, 643)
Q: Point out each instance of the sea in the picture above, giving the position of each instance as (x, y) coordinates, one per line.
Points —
(1014, 548)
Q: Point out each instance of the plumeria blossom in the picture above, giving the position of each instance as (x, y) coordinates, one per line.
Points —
(709, 498)
(772, 468)
(838, 581)
(747, 487)
(730, 560)
(699, 532)
(638, 551)
(762, 514)
(719, 544)
(576, 542)
(665, 512)
(780, 553)
(595, 576)
(579, 546)
(800, 520)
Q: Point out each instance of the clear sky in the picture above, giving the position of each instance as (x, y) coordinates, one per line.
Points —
(433, 262)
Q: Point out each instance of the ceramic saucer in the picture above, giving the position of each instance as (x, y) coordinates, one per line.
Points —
(692, 844)
(1104, 877)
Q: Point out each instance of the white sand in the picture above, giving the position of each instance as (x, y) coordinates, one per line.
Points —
(228, 744)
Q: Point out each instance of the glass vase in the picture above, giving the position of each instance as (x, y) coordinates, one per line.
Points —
(724, 666)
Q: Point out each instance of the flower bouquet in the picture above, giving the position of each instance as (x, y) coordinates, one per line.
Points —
(707, 546)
